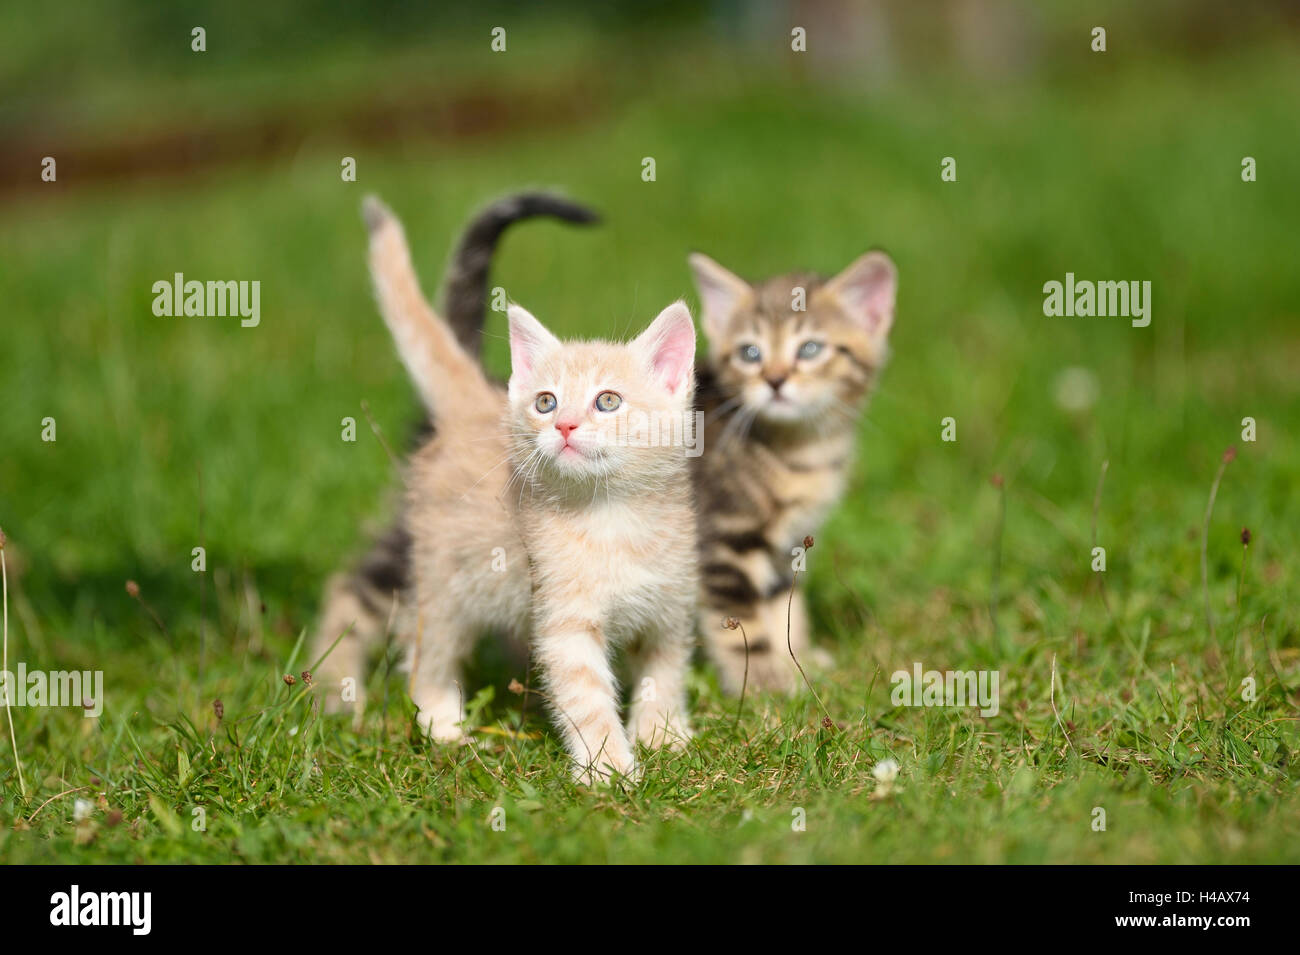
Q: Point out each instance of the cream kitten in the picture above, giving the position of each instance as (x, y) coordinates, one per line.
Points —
(529, 514)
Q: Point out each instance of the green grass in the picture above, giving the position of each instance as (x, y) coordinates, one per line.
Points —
(173, 432)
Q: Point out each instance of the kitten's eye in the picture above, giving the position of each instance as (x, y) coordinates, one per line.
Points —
(810, 349)
(749, 353)
(545, 402)
(608, 401)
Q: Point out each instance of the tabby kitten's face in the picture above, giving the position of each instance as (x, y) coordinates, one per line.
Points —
(575, 407)
(780, 363)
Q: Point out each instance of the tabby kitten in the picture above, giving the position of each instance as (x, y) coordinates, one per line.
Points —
(527, 515)
(781, 393)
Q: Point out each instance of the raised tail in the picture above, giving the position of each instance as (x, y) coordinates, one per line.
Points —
(446, 376)
(467, 277)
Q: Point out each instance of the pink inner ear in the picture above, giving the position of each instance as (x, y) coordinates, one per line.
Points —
(674, 355)
(521, 355)
(870, 296)
(527, 342)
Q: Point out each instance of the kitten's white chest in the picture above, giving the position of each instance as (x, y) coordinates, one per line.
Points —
(631, 568)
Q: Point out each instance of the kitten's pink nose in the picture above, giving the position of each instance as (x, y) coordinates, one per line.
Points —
(565, 428)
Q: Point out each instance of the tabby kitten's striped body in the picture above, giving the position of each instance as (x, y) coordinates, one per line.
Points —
(781, 394)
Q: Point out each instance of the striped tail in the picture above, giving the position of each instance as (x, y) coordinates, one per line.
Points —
(467, 277)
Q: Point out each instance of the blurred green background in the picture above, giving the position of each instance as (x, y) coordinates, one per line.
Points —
(225, 164)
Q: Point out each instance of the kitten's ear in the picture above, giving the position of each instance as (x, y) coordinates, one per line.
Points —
(669, 343)
(721, 292)
(529, 340)
(866, 291)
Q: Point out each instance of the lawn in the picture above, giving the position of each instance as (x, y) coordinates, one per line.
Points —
(973, 554)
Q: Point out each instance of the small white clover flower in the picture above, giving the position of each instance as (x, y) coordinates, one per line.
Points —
(885, 771)
(81, 810)
(1076, 390)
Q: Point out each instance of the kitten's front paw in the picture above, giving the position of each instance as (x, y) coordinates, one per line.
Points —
(657, 729)
(604, 770)
(442, 722)
(450, 734)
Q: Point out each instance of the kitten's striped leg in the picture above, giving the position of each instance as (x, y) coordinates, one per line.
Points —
(658, 714)
(737, 655)
(573, 659)
(810, 656)
(767, 655)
